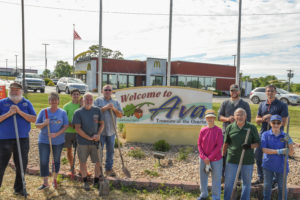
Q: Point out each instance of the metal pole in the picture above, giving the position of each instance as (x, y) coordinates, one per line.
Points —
(23, 46)
(100, 51)
(16, 65)
(73, 49)
(170, 41)
(239, 45)
(234, 59)
(6, 69)
(46, 57)
(286, 139)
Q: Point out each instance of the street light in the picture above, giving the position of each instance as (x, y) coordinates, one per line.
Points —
(6, 68)
(45, 57)
(16, 65)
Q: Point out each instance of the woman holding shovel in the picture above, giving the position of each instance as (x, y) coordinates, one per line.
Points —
(53, 122)
(241, 137)
(273, 147)
(210, 144)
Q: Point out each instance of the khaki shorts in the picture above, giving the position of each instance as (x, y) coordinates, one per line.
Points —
(84, 151)
(70, 140)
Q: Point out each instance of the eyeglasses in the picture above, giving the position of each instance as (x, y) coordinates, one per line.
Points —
(276, 122)
(107, 90)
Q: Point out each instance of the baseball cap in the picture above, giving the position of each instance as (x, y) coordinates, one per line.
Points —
(15, 85)
(234, 87)
(276, 118)
(210, 113)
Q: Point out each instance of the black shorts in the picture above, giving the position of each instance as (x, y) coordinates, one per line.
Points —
(70, 140)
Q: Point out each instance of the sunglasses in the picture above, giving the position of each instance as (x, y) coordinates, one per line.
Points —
(107, 90)
(276, 122)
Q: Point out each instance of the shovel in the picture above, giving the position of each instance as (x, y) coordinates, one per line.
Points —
(234, 193)
(103, 182)
(125, 170)
(20, 157)
(74, 159)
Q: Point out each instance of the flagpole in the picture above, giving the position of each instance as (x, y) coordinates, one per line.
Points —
(170, 42)
(73, 49)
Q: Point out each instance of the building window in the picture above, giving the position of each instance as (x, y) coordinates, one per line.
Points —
(104, 79)
(131, 82)
(181, 81)
(156, 80)
(122, 81)
(112, 80)
(201, 83)
(173, 80)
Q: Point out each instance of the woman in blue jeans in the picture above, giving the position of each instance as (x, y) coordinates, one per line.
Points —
(210, 145)
(58, 122)
(273, 147)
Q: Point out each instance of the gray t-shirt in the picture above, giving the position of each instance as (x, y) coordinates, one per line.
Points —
(109, 129)
(228, 107)
(88, 120)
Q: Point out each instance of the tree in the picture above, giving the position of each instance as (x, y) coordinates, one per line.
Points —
(63, 68)
(94, 52)
(46, 73)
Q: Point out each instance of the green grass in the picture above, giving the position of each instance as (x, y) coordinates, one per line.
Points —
(8, 77)
(40, 101)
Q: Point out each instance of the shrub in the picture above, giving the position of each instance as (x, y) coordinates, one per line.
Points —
(50, 83)
(120, 127)
(136, 153)
(161, 145)
(151, 173)
(116, 143)
(184, 152)
(47, 80)
(64, 161)
(124, 133)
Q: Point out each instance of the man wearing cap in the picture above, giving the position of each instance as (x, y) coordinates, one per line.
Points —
(209, 145)
(15, 104)
(272, 106)
(274, 152)
(227, 108)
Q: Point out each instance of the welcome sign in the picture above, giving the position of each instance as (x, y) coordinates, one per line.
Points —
(164, 105)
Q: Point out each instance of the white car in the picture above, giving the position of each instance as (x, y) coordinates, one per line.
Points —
(68, 84)
(259, 94)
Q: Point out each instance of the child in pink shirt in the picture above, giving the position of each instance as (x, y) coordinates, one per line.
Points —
(210, 144)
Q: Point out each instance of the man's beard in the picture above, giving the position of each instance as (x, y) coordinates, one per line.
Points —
(15, 98)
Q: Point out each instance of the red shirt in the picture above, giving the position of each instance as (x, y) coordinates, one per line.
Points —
(210, 143)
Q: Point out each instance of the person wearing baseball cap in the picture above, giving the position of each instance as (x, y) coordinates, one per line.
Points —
(209, 145)
(15, 104)
(227, 109)
(273, 147)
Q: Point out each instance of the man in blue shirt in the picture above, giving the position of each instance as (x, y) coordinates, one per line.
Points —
(271, 106)
(15, 104)
(108, 135)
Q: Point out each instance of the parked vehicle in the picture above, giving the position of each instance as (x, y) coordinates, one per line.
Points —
(68, 84)
(259, 94)
(32, 82)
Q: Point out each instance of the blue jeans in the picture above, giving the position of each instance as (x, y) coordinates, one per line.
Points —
(246, 175)
(258, 157)
(269, 176)
(44, 151)
(110, 148)
(216, 179)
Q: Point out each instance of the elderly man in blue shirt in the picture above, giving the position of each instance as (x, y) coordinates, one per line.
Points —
(17, 105)
(108, 135)
(272, 106)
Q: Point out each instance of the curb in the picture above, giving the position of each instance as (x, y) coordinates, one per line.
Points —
(153, 184)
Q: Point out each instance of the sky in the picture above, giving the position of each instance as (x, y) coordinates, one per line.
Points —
(203, 31)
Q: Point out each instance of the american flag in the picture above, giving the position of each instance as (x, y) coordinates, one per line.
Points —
(76, 36)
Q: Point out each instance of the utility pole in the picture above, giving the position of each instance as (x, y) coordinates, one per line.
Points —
(100, 51)
(234, 60)
(45, 57)
(6, 69)
(290, 76)
(16, 65)
(170, 43)
(239, 44)
(23, 46)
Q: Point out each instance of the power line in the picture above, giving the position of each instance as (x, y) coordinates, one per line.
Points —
(155, 14)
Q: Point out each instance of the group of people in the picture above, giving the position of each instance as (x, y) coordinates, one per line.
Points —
(82, 125)
(220, 150)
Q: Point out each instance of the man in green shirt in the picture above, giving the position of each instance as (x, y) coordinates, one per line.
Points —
(234, 144)
(70, 134)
